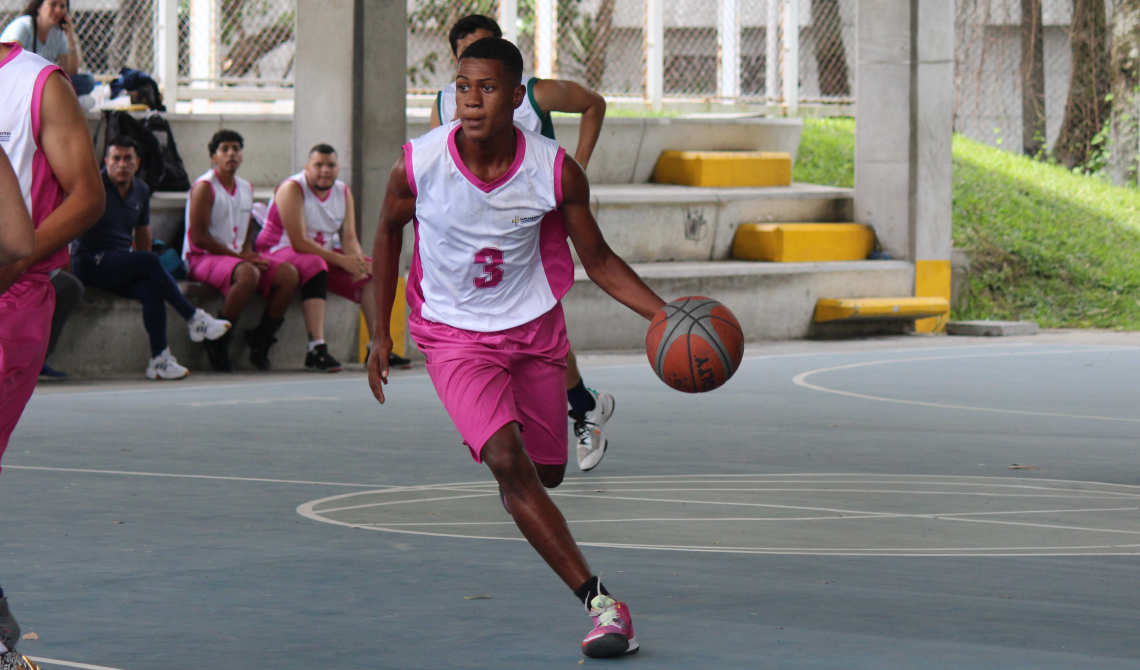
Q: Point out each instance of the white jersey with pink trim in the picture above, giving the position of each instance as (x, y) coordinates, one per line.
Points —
(488, 256)
(323, 218)
(23, 76)
(229, 215)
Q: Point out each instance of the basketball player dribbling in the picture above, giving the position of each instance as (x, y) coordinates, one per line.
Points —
(43, 132)
(492, 207)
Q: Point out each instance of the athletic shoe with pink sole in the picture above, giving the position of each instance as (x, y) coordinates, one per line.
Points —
(613, 629)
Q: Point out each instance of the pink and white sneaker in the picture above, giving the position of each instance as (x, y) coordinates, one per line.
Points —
(613, 629)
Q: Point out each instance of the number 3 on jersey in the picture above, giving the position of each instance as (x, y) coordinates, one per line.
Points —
(490, 258)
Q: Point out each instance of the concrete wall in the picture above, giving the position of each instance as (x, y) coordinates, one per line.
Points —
(626, 152)
(105, 335)
(628, 148)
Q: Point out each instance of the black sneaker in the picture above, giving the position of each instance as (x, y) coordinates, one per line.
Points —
(259, 349)
(320, 360)
(218, 352)
(397, 362)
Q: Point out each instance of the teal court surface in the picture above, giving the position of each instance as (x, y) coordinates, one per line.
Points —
(906, 502)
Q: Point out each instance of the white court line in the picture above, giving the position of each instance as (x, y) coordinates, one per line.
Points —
(258, 401)
(800, 380)
(765, 518)
(402, 502)
(70, 664)
(237, 479)
(1045, 525)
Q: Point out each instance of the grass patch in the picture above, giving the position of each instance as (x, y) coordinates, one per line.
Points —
(1046, 245)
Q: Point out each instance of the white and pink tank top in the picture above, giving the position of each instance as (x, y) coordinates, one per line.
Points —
(488, 256)
(23, 76)
(229, 215)
(323, 217)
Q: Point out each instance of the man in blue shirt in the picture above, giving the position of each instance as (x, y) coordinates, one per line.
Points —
(103, 259)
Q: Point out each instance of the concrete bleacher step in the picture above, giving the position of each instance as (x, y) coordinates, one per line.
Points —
(773, 301)
(724, 168)
(803, 242)
(879, 309)
(660, 222)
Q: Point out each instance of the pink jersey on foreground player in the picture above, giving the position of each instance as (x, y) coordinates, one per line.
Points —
(493, 206)
(45, 139)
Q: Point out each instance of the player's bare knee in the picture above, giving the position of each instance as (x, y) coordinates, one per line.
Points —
(551, 475)
(287, 276)
(246, 275)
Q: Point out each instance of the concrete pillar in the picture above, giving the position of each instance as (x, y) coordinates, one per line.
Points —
(350, 93)
(903, 132)
(166, 51)
(655, 53)
(546, 38)
(728, 36)
(791, 61)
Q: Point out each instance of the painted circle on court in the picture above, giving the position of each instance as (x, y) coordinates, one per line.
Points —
(821, 514)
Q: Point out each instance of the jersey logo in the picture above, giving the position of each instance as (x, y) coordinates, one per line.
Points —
(526, 219)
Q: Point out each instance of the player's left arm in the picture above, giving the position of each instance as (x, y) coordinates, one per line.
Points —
(144, 240)
(71, 157)
(554, 95)
(604, 267)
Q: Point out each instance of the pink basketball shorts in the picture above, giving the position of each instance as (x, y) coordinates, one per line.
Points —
(25, 323)
(487, 380)
(218, 271)
(309, 265)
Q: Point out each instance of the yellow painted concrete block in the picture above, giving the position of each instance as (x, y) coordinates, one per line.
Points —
(724, 168)
(932, 278)
(803, 242)
(395, 326)
(840, 309)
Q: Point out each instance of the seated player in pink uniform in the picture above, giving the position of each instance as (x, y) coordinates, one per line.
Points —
(47, 145)
(219, 251)
(493, 205)
(312, 225)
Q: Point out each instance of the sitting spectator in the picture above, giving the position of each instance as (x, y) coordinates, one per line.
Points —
(309, 214)
(219, 251)
(103, 259)
(68, 294)
(44, 28)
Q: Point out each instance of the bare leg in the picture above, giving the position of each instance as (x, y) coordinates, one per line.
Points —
(550, 475)
(314, 311)
(573, 377)
(245, 279)
(282, 290)
(368, 306)
(534, 512)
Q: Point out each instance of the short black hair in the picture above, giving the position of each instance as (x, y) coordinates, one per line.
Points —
(322, 149)
(494, 48)
(225, 136)
(124, 142)
(469, 24)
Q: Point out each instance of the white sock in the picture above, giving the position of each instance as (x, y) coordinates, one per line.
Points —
(315, 343)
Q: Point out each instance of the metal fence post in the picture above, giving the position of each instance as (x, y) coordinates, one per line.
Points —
(166, 51)
(509, 19)
(728, 37)
(791, 57)
(655, 53)
(545, 35)
(772, 51)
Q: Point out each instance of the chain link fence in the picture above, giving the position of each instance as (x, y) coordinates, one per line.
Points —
(220, 42)
(999, 87)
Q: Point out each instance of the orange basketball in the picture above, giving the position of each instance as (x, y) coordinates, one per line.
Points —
(694, 344)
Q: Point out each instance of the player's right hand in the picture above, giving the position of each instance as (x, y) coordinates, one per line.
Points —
(378, 365)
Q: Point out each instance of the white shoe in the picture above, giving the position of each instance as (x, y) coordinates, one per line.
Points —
(591, 432)
(163, 366)
(205, 327)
